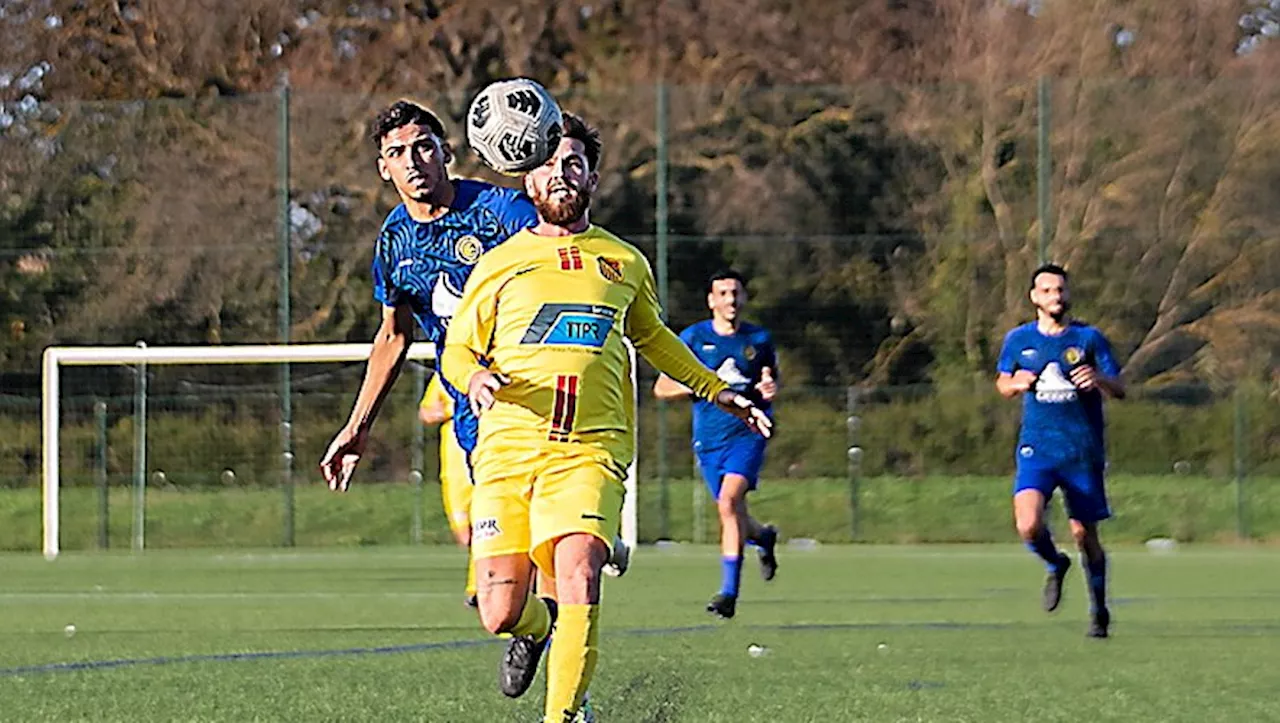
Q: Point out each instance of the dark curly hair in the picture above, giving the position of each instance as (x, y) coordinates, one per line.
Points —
(402, 113)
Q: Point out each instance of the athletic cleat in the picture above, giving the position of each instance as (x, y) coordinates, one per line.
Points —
(520, 661)
(619, 561)
(1053, 584)
(1101, 621)
(767, 547)
(471, 601)
(585, 714)
(723, 606)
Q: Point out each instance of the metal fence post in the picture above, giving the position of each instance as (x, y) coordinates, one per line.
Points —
(100, 474)
(853, 423)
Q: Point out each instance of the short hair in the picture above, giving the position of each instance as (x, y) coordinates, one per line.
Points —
(402, 113)
(578, 129)
(724, 275)
(1054, 269)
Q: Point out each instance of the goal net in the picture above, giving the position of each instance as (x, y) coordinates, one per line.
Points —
(218, 447)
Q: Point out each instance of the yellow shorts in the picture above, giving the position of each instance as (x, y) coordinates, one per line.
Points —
(526, 498)
(455, 480)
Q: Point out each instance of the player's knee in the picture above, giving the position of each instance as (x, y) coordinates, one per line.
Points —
(730, 506)
(499, 615)
(1028, 527)
(579, 560)
(1086, 536)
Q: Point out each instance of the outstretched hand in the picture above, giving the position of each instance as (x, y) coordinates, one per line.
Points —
(744, 409)
(340, 460)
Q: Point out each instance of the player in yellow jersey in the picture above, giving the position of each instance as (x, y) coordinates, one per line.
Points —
(537, 342)
(455, 478)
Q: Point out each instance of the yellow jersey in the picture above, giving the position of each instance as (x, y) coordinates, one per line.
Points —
(550, 313)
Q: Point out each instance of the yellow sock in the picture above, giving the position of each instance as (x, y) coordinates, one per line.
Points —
(534, 620)
(572, 660)
(471, 577)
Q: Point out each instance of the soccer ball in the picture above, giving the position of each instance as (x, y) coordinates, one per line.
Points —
(514, 125)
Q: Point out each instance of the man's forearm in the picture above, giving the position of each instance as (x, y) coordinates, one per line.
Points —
(667, 388)
(1113, 387)
(669, 355)
(1007, 387)
(385, 361)
(458, 364)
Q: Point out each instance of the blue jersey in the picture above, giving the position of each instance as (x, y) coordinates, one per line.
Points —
(738, 360)
(426, 265)
(1060, 423)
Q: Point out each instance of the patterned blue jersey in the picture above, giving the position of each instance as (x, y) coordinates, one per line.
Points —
(1060, 424)
(426, 265)
(738, 360)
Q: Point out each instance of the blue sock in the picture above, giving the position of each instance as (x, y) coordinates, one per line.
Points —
(1042, 546)
(731, 575)
(1096, 571)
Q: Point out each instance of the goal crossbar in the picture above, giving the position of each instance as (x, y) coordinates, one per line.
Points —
(55, 357)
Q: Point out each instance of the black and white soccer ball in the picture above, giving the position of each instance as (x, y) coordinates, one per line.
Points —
(514, 125)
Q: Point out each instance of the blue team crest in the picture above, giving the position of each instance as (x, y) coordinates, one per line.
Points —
(468, 249)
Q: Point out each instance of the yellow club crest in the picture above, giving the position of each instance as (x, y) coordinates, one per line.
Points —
(610, 269)
(468, 249)
(1073, 355)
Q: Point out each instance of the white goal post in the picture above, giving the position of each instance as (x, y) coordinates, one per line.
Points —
(55, 357)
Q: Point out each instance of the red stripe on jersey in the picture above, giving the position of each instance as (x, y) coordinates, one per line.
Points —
(571, 404)
(557, 411)
(564, 409)
(565, 263)
(577, 258)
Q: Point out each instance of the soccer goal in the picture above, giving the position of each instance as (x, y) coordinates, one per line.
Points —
(271, 409)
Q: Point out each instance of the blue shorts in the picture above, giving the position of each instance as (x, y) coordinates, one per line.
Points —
(1082, 484)
(742, 456)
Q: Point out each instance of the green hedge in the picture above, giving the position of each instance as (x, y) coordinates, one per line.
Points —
(902, 432)
(889, 510)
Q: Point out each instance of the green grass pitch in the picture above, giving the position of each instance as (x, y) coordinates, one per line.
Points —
(381, 635)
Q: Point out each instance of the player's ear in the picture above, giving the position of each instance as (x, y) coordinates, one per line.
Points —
(383, 172)
(446, 152)
(528, 184)
(593, 180)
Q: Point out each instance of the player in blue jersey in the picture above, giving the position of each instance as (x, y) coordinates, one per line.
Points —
(1062, 369)
(729, 452)
(425, 250)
